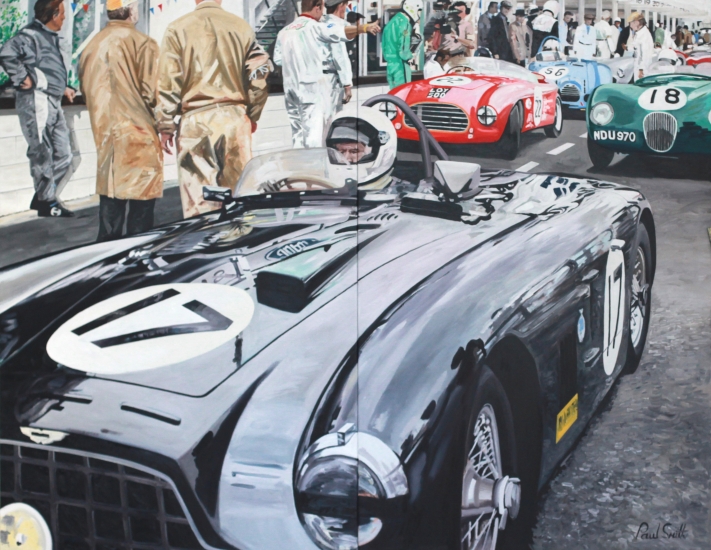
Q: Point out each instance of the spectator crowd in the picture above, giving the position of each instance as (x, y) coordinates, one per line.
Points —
(200, 94)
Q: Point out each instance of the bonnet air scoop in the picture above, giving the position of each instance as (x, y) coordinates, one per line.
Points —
(291, 284)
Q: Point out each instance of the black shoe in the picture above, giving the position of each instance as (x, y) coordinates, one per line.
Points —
(34, 205)
(53, 209)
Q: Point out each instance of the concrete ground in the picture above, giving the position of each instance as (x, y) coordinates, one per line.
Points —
(646, 457)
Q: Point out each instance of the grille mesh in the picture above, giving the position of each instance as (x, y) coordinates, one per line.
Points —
(569, 92)
(660, 131)
(92, 504)
(440, 116)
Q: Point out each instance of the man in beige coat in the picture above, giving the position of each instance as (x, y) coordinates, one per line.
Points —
(213, 73)
(521, 38)
(118, 71)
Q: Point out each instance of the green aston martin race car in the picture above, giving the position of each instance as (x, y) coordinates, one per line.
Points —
(668, 114)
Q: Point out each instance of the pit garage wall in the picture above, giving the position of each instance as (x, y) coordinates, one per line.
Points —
(16, 188)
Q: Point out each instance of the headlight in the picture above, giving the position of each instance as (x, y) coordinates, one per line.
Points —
(620, 73)
(388, 109)
(334, 472)
(602, 113)
(486, 115)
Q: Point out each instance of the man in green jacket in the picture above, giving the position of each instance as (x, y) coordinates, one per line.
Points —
(396, 42)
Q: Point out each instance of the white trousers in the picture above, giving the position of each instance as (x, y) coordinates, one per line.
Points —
(311, 109)
(335, 93)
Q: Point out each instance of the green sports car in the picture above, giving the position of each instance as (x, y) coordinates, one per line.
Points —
(667, 114)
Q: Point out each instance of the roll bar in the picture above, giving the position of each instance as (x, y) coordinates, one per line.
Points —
(426, 139)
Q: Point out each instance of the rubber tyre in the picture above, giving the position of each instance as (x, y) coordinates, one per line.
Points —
(599, 156)
(555, 129)
(518, 532)
(511, 138)
(634, 353)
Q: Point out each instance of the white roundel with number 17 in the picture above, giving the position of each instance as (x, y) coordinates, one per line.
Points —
(662, 98)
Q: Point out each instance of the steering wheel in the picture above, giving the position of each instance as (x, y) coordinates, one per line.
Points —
(293, 183)
(460, 69)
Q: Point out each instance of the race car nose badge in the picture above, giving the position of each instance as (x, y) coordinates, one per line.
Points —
(151, 327)
(23, 528)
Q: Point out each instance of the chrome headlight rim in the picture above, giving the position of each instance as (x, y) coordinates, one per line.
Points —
(379, 475)
(389, 110)
(596, 114)
(486, 115)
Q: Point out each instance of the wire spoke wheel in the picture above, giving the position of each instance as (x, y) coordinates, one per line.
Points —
(638, 300)
(481, 519)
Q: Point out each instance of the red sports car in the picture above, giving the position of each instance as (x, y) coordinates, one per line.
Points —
(483, 101)
(697, 57)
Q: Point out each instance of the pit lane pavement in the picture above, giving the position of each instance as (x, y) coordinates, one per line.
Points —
(646, 457)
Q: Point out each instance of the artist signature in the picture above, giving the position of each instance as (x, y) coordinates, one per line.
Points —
(665, 531)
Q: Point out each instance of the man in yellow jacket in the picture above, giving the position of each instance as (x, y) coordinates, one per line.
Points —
(213, 73)
(118, 71)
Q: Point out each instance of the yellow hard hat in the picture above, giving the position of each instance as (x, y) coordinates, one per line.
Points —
(112, 5)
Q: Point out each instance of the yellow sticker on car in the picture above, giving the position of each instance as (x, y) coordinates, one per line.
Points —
(566, 417)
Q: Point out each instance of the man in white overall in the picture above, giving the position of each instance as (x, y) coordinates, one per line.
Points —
(302, 52)
(338, 64)
(585, 41)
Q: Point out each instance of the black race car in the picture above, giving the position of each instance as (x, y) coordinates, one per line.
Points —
(322, 364)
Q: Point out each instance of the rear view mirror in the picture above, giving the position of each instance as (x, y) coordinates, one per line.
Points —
(217, 194)
(460, 180)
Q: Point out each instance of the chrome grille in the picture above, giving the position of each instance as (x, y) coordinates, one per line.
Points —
(569, 92)
(660, 131)
(92, 504)
(440, 116)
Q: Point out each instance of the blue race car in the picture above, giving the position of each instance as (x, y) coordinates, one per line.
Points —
(575, 78)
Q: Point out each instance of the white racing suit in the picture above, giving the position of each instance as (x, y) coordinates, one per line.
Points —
(585, 42)
(302, 50)
(605, 44)
(339, 67)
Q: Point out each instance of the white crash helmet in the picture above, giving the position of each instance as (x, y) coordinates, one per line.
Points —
(669, 56)
(552, 6)
(371, 128)
(413, 8)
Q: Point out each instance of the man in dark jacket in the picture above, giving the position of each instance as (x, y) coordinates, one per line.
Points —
(499, 34)
(33, 60)
(622, 41)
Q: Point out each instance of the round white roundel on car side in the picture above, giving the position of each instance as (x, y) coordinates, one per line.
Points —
(151, 327)
(452, 80)
(537, 105)
(614, 307)
(553, 73)
(662, 98)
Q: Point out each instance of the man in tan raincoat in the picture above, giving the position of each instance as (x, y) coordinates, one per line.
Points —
(118, 71)
(212, 73)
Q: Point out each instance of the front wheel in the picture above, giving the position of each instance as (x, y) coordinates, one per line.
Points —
(554, 130)
(511, 138)
(599, 155)
(491, 496)
(640, 300)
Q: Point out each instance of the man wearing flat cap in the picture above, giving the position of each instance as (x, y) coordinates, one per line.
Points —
(118, 71)
(521, 38)
(642, 44)
(499, 41)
